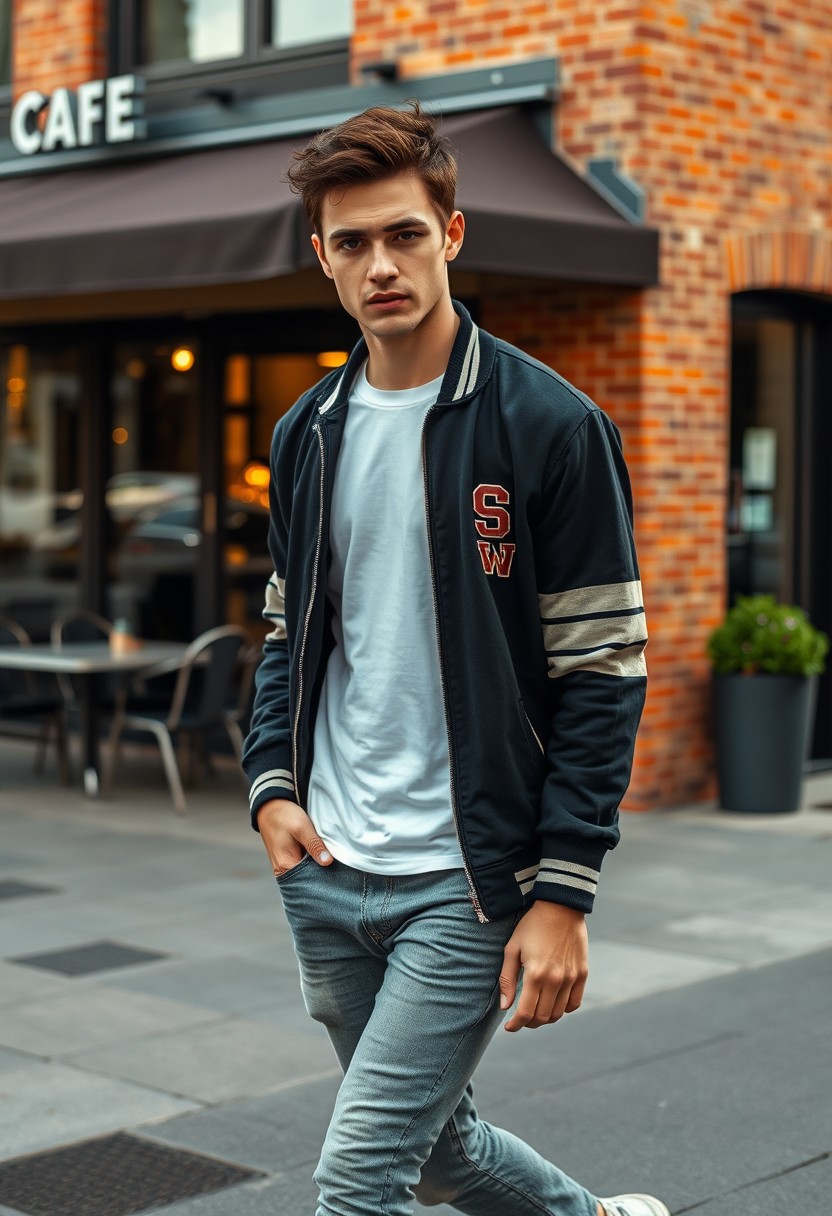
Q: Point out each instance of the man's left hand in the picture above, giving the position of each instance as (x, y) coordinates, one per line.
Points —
(550, 944)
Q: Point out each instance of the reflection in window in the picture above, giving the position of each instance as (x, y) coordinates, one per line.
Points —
(5, 42)
(259, 389)
(295, 22)
(153, 495)
(761, 516)
(40, 498)
(195, 30)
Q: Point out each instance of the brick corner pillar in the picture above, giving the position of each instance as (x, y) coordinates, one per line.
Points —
(58, 43)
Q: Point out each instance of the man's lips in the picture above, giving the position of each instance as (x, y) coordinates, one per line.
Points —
(387, 300)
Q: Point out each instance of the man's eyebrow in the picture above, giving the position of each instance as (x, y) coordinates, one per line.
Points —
(409, 222)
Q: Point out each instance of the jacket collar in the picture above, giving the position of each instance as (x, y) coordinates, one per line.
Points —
(469, 366)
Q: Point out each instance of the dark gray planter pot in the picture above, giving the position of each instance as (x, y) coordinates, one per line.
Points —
(762, 731)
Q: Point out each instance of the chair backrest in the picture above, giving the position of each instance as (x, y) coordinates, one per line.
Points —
(79, 625)
(14, 684)
(213, 659)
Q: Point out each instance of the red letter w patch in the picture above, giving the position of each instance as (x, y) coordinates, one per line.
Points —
(496, 559)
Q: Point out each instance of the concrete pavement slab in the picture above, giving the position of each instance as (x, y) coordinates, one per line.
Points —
(19, 983)
(93, 1017)
(208, 1063)
(226, 1134)
(803, 1190)
(196, 936)
(223, 983)
(14, 1061)
(752, 932)
(287, 1194)
(44, 1104)
(621, 971)
(695, 1123)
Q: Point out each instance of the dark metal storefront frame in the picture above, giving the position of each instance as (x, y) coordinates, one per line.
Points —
(812, 548)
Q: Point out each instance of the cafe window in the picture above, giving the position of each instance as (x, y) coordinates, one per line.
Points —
(199, 31)
(40, 490)
(206, 32)
(5, 42)
(298, 22)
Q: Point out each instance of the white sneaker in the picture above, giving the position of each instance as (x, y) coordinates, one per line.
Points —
(634, 1205)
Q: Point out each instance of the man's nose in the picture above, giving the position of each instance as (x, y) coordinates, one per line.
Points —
(382, 265)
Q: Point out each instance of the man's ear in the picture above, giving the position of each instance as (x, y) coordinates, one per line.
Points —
(317, 245)
(454, 235)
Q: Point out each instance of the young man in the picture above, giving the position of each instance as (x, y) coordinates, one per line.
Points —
(448, 701)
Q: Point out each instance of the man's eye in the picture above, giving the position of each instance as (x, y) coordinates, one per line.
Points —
(349, 244)
(407, 236)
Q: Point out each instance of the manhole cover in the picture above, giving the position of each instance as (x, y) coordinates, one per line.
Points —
(111, 1176)
(84, 960)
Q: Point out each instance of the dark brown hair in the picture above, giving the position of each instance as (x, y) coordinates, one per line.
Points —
(379, 143)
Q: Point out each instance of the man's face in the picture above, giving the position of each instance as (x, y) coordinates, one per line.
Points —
(386, 249)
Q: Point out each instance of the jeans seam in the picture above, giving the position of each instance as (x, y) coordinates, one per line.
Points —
(457, 1143)
(384, 924)
(386, 1189)
(367, 929)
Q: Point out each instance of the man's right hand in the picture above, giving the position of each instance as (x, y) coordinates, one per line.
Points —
(289, 834)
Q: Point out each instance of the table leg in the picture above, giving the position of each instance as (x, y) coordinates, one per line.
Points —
(89, 734)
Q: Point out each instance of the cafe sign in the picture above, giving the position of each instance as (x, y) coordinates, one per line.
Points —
(99, 112)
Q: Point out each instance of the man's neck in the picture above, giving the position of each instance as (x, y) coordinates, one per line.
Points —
(415, 358)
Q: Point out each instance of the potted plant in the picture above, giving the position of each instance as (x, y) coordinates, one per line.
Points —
(766, 658)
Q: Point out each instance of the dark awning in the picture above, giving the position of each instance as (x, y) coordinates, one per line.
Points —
(225, 216)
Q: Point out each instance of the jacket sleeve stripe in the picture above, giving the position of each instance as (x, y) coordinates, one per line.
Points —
(273, 611)
(584, 629)
(279, 777)
(624, 666)
(592, 601)
(585, 636)
(571, 867)
(606, 660)
(567, 880)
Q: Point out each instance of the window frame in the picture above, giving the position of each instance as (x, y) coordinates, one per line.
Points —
(6, 86)
(258, 51)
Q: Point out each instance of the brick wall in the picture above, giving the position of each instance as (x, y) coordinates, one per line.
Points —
(58, 43)
(722, 112)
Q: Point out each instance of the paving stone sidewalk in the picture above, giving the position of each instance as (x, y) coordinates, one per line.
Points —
(148, 985)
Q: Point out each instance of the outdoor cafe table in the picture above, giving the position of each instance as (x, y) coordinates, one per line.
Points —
(87, 660)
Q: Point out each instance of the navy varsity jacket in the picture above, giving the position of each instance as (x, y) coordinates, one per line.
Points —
(539, 615)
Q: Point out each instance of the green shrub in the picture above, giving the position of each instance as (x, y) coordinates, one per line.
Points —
(758, 634)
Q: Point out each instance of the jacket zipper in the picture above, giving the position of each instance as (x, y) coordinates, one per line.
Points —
(313, 590)
(472, 890)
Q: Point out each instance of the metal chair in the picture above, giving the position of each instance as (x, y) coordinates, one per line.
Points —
(77, 625)
(22, 702)
(199, 704)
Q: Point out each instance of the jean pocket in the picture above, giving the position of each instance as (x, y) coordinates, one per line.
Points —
(302, 865)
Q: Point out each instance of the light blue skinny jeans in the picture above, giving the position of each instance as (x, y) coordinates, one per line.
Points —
(405, 980)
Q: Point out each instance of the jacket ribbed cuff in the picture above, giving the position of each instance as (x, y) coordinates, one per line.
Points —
(569, 872)
(271, 776)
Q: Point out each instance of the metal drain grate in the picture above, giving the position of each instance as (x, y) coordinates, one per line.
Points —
(84, 960)
(13, 888)
(111, 1176)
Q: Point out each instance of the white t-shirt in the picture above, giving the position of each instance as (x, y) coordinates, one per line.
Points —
(380, 791)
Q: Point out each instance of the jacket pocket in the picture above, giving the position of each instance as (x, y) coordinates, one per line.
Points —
(532, 737)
